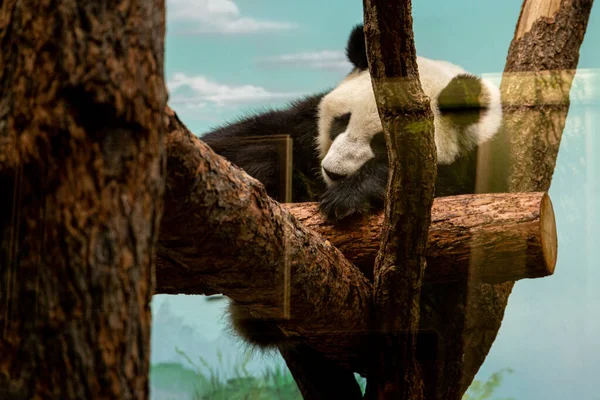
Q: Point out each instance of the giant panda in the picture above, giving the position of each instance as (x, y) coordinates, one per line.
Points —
(354, 165)
(339, 152)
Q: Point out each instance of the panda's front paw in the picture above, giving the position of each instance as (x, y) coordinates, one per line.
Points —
(336, 206)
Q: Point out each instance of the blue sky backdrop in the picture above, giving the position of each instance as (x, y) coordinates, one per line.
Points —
(225, 58)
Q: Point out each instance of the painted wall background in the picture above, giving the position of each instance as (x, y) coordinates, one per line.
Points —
(225, 58)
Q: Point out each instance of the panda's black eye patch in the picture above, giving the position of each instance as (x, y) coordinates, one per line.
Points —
(378, 144)
(339, 125)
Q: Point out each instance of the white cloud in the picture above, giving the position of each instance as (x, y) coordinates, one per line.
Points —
(325, 59)
(218, 16)
(200, 91)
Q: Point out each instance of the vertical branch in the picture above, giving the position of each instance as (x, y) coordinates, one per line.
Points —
(540, 67)
(81, 182)
(408, 128)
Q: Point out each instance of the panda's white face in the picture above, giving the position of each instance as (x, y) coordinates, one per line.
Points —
(349, 120)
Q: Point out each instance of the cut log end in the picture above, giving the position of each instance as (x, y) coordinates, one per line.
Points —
(548, 235)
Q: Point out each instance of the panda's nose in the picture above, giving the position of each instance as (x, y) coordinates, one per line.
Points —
(333, 176)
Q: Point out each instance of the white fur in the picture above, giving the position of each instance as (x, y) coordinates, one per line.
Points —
(351, 149)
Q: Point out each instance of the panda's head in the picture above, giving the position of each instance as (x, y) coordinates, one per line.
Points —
(351, 144)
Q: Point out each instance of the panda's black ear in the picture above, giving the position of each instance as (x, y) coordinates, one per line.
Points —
(463, 99)
(463, 91)
(356, 49)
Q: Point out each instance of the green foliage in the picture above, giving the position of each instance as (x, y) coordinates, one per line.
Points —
(484, 390)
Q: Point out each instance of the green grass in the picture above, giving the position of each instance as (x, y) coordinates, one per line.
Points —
(231, 380)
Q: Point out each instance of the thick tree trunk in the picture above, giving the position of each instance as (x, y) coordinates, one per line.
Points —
(488, 237)
(540, 67)
(81, 182)
(407, 119)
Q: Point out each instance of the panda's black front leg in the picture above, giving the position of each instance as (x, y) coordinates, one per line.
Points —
(357, 195)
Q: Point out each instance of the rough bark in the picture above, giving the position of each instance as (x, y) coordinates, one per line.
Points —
(227, 236)
(539, 71)
(540, 65)
(486, 237)
(407, 119)
(81, 181)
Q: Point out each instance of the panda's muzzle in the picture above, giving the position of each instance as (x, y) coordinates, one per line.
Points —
(357, 194)
(333, 176)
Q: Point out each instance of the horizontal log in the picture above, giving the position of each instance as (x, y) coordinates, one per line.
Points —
(486, 237)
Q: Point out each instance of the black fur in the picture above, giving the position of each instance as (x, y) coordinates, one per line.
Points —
(364, 192)
(356, 48)
(357, 195)
(263, 334)
(463, 102)
(339, 125)
(260, 159)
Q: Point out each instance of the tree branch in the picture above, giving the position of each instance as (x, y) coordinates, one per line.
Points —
(540, 67)
(407, 122)
(220, 227)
